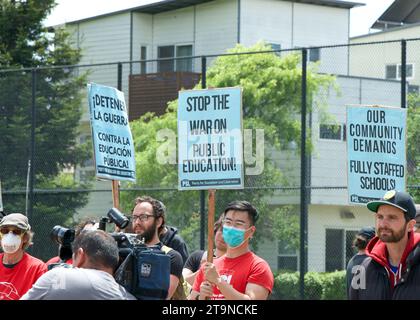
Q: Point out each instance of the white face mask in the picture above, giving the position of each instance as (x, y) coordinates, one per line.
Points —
(11, 242)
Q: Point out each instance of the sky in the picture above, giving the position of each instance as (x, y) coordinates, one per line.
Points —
(361, 18)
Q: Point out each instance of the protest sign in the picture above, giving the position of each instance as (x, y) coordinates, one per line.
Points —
(210, 151)
(111, 135)
(376, 151)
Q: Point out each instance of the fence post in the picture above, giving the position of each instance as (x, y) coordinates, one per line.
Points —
(31, 167)
(202, 192)
(403, 73)
(119, 76)
(303, 189)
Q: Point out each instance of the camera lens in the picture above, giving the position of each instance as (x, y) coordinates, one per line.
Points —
(61, 235)
(118, 218)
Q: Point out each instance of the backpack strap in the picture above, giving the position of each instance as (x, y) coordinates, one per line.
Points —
(182, 289)
(166, 249)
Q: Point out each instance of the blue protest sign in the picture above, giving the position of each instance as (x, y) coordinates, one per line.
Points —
(210, 151)
(376, 151)
(111, 135)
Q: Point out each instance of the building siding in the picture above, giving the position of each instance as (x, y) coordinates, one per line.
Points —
(389, 53)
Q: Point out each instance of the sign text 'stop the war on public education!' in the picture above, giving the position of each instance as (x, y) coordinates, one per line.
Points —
(210, 149)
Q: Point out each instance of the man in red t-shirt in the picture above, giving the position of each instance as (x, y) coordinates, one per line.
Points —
(239, 274)
(18, 270)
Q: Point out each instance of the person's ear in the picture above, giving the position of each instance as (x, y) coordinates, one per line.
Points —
(79, 258)
(410, 224)
(159, 222)
(251, 231)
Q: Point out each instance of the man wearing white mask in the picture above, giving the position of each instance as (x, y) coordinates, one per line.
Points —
(18, 269)
(239, 274)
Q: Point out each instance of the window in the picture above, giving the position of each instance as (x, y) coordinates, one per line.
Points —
(409, 71)
(393, 71)
(184, 64)
(276, 46)
(413, 89)
(175, 52)
(338, 248)
(314, 54)
(166, 52)
(287, 258)
(332, 132)
(143, 56)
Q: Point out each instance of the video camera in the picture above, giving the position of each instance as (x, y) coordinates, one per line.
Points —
(144, 271)
(64, 237)
(126, 241)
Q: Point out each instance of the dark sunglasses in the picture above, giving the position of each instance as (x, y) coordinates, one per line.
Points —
(17, 232)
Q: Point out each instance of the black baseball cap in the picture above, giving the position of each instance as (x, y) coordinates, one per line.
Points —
(397, 199)
(367, 232)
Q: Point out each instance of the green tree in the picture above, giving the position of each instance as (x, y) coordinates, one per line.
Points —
(271, 101)
(26, 44)
(413, 145)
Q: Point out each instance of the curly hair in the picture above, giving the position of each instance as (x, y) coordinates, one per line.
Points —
(159, 209)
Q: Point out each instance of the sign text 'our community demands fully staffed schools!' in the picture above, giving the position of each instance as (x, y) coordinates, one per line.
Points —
(210, 148)
(111, 135)
(376, 151)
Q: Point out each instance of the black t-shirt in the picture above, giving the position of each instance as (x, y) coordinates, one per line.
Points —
(355, 261)
(176, 261)
(173, 240)
(194, 260)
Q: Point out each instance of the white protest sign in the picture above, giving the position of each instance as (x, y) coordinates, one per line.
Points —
(210, 150)
(111, 135)
(376, 151)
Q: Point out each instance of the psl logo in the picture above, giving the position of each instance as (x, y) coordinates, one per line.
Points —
(185, 183)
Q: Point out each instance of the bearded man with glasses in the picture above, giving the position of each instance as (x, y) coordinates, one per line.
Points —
(239, 274)
(18, 270)
(148, 219)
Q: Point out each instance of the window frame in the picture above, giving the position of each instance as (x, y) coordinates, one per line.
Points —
(175, 63)
(343, 136)
(398, 71)
(347, 236)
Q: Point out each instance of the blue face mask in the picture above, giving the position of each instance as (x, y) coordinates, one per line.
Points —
(233, 236)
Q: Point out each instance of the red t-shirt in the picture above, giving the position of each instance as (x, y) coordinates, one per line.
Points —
(57, 260)
(238, 272)
(15, 281)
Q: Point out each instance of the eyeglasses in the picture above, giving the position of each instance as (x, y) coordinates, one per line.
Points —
(231, 223)
(142, 217)
(17, 232)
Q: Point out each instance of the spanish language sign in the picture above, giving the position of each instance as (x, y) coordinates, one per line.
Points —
(210, 148)
(112, 140)
(376, 157)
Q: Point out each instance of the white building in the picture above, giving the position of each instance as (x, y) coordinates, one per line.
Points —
(193, 28)
(400, 21)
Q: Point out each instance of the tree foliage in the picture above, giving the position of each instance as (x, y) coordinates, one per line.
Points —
(413, 145)
(271, 101)
(26, 46)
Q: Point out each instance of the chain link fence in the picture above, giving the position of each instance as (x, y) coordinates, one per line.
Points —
(47, 167)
